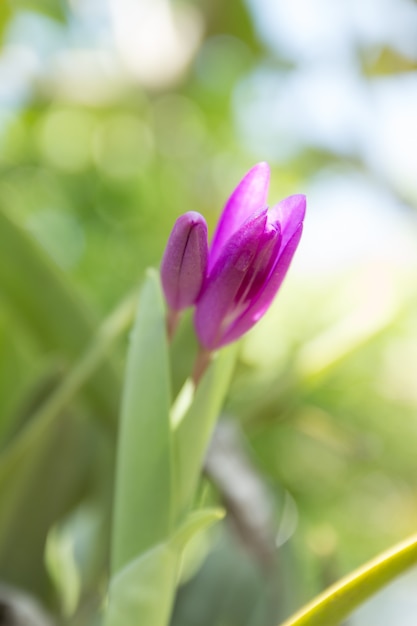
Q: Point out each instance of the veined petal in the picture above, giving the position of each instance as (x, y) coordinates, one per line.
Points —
(264, 300)
(257, 274)
(249, 196)
(184, 264)
(289, 213)
(216, 306)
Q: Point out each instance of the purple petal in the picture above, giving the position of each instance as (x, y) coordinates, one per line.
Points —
(217, 301)
(184, 263)
(262, 303)
(257, 274)
(289, 213)
(249, 196)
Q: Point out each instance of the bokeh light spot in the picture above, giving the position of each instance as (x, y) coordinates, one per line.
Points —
(179, 126)
(65, 139)
(123, 146)
(60, 234)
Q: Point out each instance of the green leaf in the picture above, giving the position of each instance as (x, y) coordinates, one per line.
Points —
(55, 9)
(142, 516)
(39, 480)
(334, 605)
(62, 567)
(37, 486)
(41, 297)
(193, 424)
(143, 591)
(195, 522)
(5, 15)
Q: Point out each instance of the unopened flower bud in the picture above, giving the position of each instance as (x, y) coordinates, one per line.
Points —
(184, 263)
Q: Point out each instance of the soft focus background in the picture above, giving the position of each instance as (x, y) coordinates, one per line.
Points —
(117, 116)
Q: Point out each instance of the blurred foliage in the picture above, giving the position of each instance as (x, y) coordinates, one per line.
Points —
(95, 165)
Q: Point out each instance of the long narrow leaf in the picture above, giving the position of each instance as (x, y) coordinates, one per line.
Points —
(44, 468)
(142, 515)
(143, 591)
(192, 430)
(332, 606)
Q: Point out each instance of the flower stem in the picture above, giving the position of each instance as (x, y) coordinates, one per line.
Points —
(173, 318)
(201, 363)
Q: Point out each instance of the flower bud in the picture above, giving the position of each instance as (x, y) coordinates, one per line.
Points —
(184, 263)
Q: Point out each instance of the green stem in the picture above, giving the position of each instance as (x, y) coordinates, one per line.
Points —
(337, 602)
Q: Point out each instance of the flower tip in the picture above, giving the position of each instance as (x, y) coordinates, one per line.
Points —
(261, 172)
(191, 218)
(263, 165)
(299, 200)
(249, 196)
(255, 183)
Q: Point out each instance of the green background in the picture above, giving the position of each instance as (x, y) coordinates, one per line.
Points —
(106, 137)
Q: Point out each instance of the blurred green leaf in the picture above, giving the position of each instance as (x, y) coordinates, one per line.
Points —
(387, 61)
(142, 513)
(43, 299)
(39, 479)
(143, 591)
(62, 567)
(37, 487)
(52, 8)
(5, 14)
(331, 607)
(195, 522)
(192, 430)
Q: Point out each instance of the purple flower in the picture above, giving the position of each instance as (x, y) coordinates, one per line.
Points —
(249, 256)
(184, 264)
